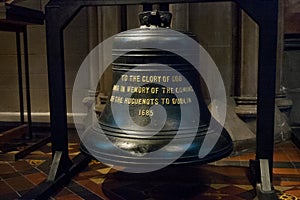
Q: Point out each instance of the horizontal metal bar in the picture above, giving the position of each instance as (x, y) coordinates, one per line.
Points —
(124, 2)
(17, 132)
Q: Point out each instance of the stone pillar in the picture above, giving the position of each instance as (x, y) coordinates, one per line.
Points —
(93, 41)
(246, 72)
(215, 25)
(180, 16)
(283, 103)
(246, 80)
(133, 16)
(103, 22)
(76, 47)
(292, 59)
(109, 24)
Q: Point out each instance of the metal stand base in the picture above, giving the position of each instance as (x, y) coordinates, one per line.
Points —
(14, 143)
(53, 183)
(261, 172)
(264, 195)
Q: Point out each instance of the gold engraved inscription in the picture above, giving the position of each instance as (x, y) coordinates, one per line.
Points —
(150, 90)
(150, 101)
(150, 79)
(145, 112)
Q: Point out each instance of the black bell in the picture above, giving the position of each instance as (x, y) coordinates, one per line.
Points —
(155, 114)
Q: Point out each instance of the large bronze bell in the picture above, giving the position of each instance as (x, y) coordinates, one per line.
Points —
(151, 109)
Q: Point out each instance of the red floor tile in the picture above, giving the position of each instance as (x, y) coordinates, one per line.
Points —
(93, 187)
(5, 168)
(295, 193)
(232, 190)
(86, 175)
(228, 171)
(20, 183)
(246, 157)
(232, 198)
(289, 183)
(286, 171)
(280, 156)
(36, 178)
(21, 165)
(66, 194)
(69, 197)
(294, 156)
(5, 188)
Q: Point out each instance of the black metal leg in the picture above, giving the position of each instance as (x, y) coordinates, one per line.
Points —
(57, 92)
(164, 6)
(147, 7)
(123, 17)
(266, 94)
(265, 13)
(20, 79)
(27, 83)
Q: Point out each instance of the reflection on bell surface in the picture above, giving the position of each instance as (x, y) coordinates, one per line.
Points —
(156, 113)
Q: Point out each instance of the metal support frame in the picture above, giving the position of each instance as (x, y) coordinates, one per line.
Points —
(20, 79)
(264, 12)
(18, 29)
(27, 83)
(23, 132)
(15, 19)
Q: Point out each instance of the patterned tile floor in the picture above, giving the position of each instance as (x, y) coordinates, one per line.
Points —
(225, 179)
